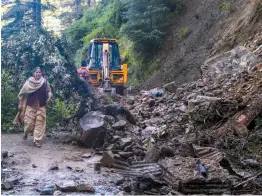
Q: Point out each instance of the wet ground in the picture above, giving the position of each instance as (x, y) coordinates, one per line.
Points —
(29, 166)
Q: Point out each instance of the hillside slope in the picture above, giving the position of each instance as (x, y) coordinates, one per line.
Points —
(207, 28)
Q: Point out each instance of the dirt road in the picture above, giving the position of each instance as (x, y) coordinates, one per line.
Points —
(29, 166)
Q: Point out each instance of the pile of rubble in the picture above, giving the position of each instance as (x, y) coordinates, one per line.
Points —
(212, 125)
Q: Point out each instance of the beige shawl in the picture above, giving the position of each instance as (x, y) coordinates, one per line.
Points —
(30, 86)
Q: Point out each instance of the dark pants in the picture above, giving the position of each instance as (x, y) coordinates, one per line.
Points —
(87, 86)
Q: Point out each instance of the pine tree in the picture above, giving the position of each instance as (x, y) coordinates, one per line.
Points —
(146, 22)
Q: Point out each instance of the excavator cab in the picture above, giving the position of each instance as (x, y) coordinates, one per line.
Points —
(105, 65)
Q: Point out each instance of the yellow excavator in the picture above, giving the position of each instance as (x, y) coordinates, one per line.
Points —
(105, 65)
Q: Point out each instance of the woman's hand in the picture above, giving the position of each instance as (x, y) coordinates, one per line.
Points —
(20, 107)
(48, 100)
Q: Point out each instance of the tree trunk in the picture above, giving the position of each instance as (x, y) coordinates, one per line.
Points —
(38, 13)
(88, 2)
(78, 8)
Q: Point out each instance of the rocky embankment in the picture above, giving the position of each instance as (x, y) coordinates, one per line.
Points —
(199, 137)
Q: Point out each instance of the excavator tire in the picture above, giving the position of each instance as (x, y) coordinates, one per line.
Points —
(120, 90)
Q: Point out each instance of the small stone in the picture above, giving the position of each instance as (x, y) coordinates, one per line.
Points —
(117, 156)
(127, 188)
(125, 142)
(74, 143)
(107, 159)
(67, 186)
(97, 166)
(116, 137)
(166, 151)
(57, 193)
(34, 166)
(78, 169)
(54, 167)
(120, 124)
(86, 155)
(85, 188)
(110, 147)
(7, 185)
(69, 167)
(151, 102)
(48, 191)
(48, 135)
(131, 100)
(4, 154)
(126, 154)
(170, 87)
(119, 182)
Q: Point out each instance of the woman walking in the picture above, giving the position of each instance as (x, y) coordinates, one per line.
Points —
(33, 97)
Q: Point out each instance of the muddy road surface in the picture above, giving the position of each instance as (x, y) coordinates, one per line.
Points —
(33, 169)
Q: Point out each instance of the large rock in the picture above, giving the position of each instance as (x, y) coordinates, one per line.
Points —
(231, 62)
(170, 87)
(93, 126)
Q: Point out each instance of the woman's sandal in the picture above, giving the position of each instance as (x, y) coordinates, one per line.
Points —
(37, 144)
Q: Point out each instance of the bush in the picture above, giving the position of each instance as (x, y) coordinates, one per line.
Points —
(20, 55)
(8, 101)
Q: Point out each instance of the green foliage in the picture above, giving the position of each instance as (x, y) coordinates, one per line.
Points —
(139, 25)
(184, 32)
(23, 14)
(59, 110)
(146, 20)
(8, 101)
(226, 6)
(102, 21)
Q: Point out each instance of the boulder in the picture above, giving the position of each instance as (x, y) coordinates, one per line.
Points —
(170, 87)
(93, 126)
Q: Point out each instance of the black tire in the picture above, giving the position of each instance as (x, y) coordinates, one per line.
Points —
(120, 90)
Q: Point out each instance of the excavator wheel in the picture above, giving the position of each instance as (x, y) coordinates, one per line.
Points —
(120, 90)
